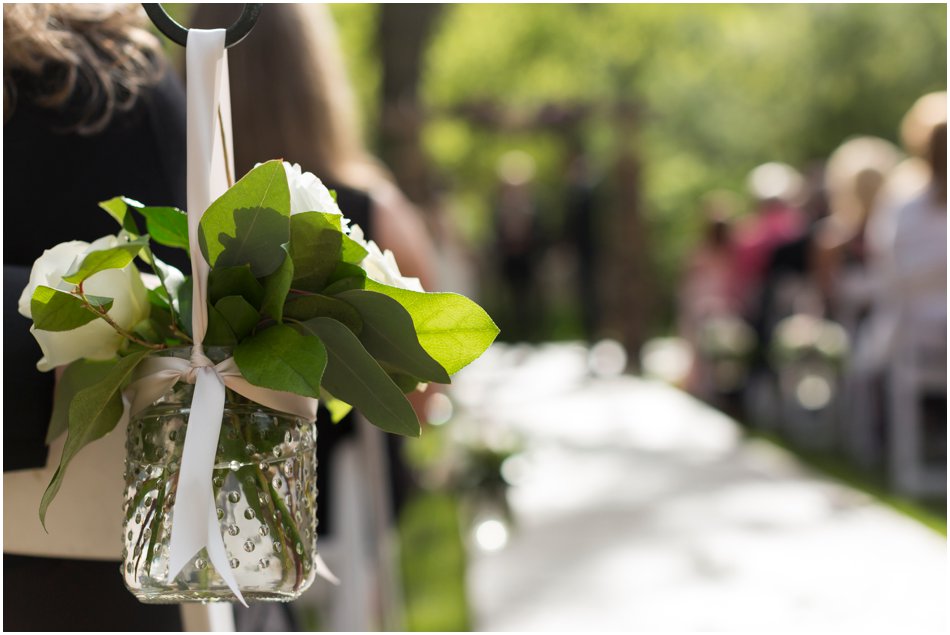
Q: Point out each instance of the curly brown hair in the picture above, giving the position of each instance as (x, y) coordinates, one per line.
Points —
(94, 58)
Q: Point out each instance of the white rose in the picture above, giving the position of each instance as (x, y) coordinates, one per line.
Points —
(95, 340)
(309, 194)
(381, 265)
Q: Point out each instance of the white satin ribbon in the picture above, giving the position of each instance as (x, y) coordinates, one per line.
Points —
(195, 524)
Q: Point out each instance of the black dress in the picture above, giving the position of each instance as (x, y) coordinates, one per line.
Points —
(52, 183)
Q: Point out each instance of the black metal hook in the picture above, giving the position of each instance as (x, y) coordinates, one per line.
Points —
(179, 34)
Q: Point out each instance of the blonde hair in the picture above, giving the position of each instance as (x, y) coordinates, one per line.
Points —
(290, 97)
(98, 53)
(854, 176)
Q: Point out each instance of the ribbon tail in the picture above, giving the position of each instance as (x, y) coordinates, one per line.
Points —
(193, 529)
(323, 570)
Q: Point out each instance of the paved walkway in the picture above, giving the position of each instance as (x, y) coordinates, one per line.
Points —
(639, 508)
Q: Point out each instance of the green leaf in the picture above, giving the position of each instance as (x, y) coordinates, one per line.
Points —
(239, 314)
(185, 299)
(337, 408)
(219, 330)
(54, 310)
(354, 376)
(79, 375)
(451, 328)
(276, 288)
(406, 383)
(315, 245)
(118, 209)
(158, 298)
(166, 225)
(258, 239)
(225, 281)
(353, 252)
(280, 358)
(246, 217)
(112, 258)
(389, 335)
(346, 277)
(304, 307)
(93, 413)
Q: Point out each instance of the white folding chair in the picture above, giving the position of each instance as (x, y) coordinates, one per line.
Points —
(919, 369)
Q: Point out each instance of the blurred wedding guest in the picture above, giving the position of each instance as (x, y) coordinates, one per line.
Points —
(854, 176)
(291, 99)
(581, 230)
(906, 260)
(518, 244)
(90, 112)
(776, 189)
(707, 293)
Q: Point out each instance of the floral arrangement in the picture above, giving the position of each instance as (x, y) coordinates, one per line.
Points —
(306, 304)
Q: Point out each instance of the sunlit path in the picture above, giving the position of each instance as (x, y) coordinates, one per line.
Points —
(637, 507)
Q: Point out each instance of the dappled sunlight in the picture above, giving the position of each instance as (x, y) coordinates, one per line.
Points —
(636, 507)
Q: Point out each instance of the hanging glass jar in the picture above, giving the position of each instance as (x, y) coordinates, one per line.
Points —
(265, 489)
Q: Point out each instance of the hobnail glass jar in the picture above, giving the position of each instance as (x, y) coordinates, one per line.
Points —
(265, 491)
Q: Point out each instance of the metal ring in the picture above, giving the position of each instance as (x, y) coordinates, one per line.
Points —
(179, 34)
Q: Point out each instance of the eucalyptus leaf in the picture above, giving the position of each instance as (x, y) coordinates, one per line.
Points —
(54, 310)
(451, 328)
(239, 314)
(263, 188)
(276, 288)
(406, 383)
(185, 299)
(280, 358)
(345, 277)
(93, 413)
(352, 252)
(219, 331)
(389, 335)
(225, 281)
(315, 245)
(354, 376)
(304, 307)
(118, 209)
(337, 408)
(79, 375)
(112, 258)
(166, 225)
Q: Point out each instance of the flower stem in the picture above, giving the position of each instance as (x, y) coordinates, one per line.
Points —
(100, 312)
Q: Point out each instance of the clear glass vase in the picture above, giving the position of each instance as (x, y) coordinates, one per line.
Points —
(265, 491)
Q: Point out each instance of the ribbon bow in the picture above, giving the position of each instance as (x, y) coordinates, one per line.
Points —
(195, 521)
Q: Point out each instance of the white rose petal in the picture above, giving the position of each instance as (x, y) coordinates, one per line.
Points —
(309, 194)
(381, 265)
(95, 340)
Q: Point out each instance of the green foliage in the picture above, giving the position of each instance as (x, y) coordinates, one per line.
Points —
(715, 90)
(316, 242)
(389, 335)
(239, 314)
(225, 281)
(451, 328)
(305, 307)
(54, 310)
(166, 225)
(79, 375)
(280, 358)
(93, 413)
(116, 257)
(355, 377)
(249, 222)
(276, 288)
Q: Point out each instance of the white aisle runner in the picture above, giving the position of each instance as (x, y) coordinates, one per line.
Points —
(638, 508)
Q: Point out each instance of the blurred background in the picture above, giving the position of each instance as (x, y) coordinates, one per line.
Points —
(714, 239)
